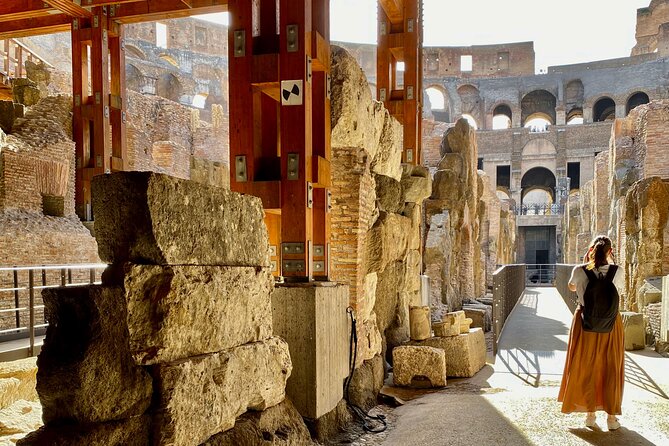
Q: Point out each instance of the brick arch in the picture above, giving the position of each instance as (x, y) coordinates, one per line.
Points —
(538, 101)
(634, 99)
(470, 102)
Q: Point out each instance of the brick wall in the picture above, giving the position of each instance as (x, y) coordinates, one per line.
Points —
(353, 203)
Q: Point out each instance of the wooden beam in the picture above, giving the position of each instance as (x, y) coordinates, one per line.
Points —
(394, 10)
(70, 8)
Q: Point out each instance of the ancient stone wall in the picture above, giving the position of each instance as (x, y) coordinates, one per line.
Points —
(125, 367)
(469, 229)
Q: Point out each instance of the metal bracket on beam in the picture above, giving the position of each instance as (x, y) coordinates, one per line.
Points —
(409, 155)
(382, 95)
(309, 72)
(319, 266)
(240, 169)
(384, 28)
(292, 248)
(319, 250)
(410, 26)
(239, 37)
(410, 92)
(310, 195)
(294, 266)
(328, 201)
(292, 40)
(293, 166)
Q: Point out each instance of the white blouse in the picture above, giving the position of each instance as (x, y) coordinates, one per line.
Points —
(580, 279)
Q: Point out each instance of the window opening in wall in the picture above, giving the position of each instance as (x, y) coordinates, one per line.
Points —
(436, 97)
(466, 63)
(501, 117)
(479, 164)
(635, 100)
(504, 176)
(575, 117)
(538, 124)
(472, 122)
(53, 206)
(574, 174)
(199, 100)
(161, 35)
(399, 75)
(604, 110)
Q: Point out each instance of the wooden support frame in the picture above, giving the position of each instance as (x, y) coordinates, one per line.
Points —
(282, 148)
(98, 60)
(400, 27)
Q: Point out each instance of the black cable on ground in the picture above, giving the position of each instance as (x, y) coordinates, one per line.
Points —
(370, 423)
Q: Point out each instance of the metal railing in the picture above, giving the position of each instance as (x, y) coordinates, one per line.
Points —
(508, 287)
(562, 275)
(540, 274)
(21, 307)
(540, 209)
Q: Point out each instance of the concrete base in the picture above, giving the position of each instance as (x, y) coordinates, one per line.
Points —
(465, 353)
(312, 318)
(635, 330)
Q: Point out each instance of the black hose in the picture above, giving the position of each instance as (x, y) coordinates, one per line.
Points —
(370, 423)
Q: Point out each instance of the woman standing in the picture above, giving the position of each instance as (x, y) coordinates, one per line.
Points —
(593, 375)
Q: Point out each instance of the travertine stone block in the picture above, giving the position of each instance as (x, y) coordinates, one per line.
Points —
(419, 323)
(635, 330)
(411, 361)
(465, 353)
(130, 432)
(417, 184)
(387, 241)
(477, 316)
(280, 425)
(17, 381)
(162, 210)
(445, 328)
(203, 396)
(465, 324)
(312, 319)
(85, 370)
(19, 419)
(175, 312)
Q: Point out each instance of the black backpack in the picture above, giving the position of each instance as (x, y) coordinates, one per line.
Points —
(601, 302)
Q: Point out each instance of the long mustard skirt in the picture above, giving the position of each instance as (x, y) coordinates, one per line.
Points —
(594, 372)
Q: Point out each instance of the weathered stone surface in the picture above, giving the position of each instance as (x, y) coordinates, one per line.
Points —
(477, 317)
(331, 423)
(19, 419)
(175, 312)
(419, 323)
(411, 362)
(162, 209)
(650, 292)
(413, 211)
(389, 194)
(280, 425)
(130, 432)
(366, 383)
(417, 184)
(198, 398)
(27, 94)
(388, 158)
(465, 353)
(445, 328)
(17, 381)
(664, 317)
(635, 330)
(387, 241)
(85, 370)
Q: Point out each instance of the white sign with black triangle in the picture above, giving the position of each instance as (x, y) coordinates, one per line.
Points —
(291, 92)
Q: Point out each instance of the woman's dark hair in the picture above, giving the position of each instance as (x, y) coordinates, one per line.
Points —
(598, 253)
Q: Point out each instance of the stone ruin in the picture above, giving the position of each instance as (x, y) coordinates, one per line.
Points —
(469, 230)
(628, 199)
(177, 342)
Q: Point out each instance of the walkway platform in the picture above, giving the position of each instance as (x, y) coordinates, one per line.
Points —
(514, 400)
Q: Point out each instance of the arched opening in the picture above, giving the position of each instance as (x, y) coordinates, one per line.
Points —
(638, 98)
(538, 188)
(575, 116)
(501, 117)
(538, 122)
(472, 122)
(199, 100)
(503, 194)
(538, 103)
(169, 87)
(437, 101)
(604, 110)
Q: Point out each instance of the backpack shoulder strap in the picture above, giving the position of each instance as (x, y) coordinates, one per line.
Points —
(589, 273)
(611, 272)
